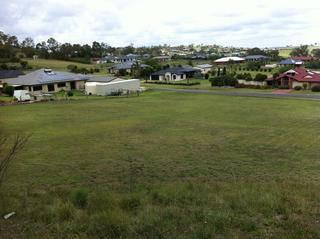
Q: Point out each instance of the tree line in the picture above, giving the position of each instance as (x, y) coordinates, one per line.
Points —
(11, 47)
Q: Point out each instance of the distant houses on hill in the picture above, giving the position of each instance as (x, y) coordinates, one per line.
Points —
(130, 58)
(125, 67)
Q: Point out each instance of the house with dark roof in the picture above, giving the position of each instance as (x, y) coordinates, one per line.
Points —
(162, 58)
(174, 74)
(46, 80)
(119, 59)
(127, 66)
(290, 62)
(205, 68)
(304, 58)
(297, 76)
(6, 74)
(256, 58)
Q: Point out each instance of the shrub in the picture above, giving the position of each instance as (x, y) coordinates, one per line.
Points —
(260, 77)
(298, 87)
(206, 76)
(83, 71)
(96, 70)
(247, 76)
(9, 90)
(72, 68)
(315, 88)
(65, 211)
(24, 64)
(70, 93)
(79, 198)
(305, 86)
(223, 80)
(240, 76)
(4, 66)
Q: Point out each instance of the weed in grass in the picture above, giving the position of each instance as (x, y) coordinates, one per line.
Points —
(64, 211)
(101, 201)
(130, 203)
(79, 198)
(108, 224)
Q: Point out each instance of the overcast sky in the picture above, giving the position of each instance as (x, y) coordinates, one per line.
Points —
(151, 22)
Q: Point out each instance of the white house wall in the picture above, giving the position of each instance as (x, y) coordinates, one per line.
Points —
(108, 88)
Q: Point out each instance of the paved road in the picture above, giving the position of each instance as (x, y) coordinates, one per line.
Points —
(243, 94)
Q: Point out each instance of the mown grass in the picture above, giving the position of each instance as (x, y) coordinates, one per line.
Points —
(164, 165)
(59, 65)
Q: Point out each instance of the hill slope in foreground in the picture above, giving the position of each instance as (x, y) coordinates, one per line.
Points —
(164, 165)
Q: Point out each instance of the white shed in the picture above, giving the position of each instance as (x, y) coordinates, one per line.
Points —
(98, 88)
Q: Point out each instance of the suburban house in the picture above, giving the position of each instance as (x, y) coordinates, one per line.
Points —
(230, 59)
(303, 58)
(174, 74)
(118, 59)
(8, 74)
(46, 80)
(256, 58)
(297, 76)
(127, 66)
(204, 68)
(162, 58)
(290, 62)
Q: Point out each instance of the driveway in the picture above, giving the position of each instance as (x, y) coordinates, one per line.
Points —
(243, 94)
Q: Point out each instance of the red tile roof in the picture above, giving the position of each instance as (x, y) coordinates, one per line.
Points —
(303, 58)
(301, 74)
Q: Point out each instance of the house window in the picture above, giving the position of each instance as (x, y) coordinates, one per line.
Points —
(51, 87)
(60, 85)
(37, 87)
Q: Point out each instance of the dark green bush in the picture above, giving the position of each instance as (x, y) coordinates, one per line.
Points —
(4, 66)
(72, 68)
(79, 198)
(223, 80)
(315, 88)
(70, 93)
(298, 87)
(24, 64)
(9, 90)
(260, 77)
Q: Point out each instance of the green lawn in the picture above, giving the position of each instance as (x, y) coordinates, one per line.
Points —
(164, 165)
(59, 65)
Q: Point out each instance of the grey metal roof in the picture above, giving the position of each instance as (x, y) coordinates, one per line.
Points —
(5, 74)
(176, 70)
(255, 57)
(204, 66)
(126, 66)
(289, 62)
(40, 77)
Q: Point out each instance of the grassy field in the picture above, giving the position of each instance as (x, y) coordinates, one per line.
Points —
(59, 65)
(164, 165)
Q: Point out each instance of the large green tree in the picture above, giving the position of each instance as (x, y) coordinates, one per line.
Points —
(300, 51)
